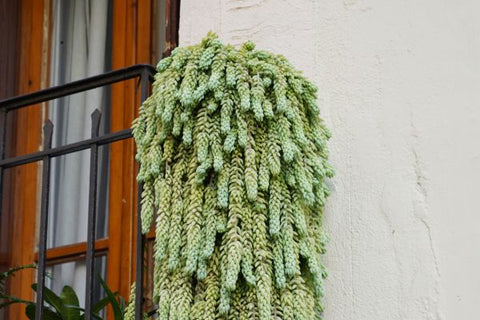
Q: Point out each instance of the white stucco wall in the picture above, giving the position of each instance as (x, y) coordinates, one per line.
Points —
(400, 89)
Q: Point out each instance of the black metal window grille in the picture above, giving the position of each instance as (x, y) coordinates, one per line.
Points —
(144, 73)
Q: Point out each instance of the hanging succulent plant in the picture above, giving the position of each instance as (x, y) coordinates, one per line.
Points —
(233, 158)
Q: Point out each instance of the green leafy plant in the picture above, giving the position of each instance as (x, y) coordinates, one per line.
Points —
(6, 300)
(65, 306)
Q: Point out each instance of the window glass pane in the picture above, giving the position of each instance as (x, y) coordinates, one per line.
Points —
(80, 48)
(73, 274)
(159, 31)
(68, 206)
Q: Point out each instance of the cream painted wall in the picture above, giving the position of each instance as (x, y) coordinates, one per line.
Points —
(400, 88)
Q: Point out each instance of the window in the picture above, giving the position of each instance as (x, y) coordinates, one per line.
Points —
(53, 35)
(80, 46)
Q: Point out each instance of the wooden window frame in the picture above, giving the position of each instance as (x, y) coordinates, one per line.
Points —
(133, 42)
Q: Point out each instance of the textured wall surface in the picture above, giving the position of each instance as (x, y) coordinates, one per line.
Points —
(400, 89)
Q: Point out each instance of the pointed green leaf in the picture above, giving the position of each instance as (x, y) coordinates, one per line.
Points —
(11, 272)
(117, 312)
(97, 307)
(47, 313)
(30, 312)
(52, 299)
(69, 296)
(13, 298)
(6, 304)
(123, 304)
(71, 304)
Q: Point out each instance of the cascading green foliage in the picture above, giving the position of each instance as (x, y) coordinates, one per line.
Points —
(233, 158)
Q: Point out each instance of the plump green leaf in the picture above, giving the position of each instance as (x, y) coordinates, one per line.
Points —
(54, 300)
(69, 296)
(30, 312)
(47, 313)
(71, 304)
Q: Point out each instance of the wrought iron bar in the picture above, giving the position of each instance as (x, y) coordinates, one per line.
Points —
(140, 237)
(76, 86)
(145, 74)
(68, 148)
(92, 216)
(3, 132)
(42, 242)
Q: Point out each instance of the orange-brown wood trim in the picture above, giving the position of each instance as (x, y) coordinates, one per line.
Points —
(172, 20)
(73, 252)
(131, 45)
(24, 181)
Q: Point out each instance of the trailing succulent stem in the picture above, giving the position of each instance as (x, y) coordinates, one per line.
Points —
(233, 159)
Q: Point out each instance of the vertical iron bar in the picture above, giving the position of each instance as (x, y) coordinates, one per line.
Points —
(139, 259)
(144, 84)
(3, 137)
(92, 216)
(3, 132)
(42, 244)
